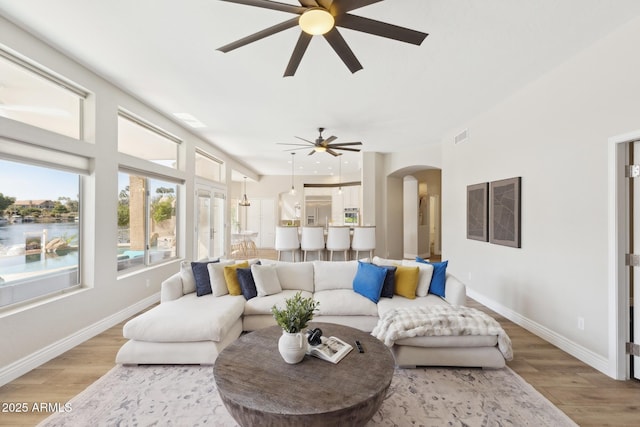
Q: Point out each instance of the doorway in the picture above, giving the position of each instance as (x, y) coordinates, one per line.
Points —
(624, 255)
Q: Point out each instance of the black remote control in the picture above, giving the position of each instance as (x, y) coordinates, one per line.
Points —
(360, 349)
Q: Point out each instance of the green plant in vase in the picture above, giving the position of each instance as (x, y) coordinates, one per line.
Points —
(297, 313)
(293, 319)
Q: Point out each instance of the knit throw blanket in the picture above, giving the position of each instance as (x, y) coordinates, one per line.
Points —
(439, 320)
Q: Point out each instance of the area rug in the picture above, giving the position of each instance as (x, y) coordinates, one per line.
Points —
(187, 396)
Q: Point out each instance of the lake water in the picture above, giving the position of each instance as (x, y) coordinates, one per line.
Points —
(13, 235)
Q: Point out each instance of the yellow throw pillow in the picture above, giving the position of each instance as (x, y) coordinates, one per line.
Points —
(406, 281)
(231, 277)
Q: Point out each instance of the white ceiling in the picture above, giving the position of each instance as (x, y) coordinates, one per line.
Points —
(163, 51)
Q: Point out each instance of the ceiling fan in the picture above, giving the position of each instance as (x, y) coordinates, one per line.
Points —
(321, 144)
(322, 17)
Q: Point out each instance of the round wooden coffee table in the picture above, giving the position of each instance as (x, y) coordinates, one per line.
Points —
(259, 388)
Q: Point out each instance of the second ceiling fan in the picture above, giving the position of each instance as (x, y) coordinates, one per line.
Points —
(322, 17)
(321, 144)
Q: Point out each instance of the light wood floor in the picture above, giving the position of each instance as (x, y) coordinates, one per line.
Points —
(587, 396)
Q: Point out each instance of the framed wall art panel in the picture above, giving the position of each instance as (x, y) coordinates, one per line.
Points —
(477, 211)
(504, 212)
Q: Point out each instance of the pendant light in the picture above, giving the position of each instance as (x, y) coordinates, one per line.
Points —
(293, 189)
(244, 201)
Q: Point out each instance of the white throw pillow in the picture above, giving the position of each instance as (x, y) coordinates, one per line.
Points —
(266, 279)
(188, 281)
(216, 277)
(424, 276)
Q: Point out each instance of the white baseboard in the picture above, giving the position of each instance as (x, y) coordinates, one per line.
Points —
(16, 369)
(587, 356)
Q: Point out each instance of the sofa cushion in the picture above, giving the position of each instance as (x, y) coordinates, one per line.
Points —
(201, 277)
(295, 275)
(262, 305)
(266, 279)
(187, 319)
(231, 277)
(438, 281)
(247, 284)
(216, 278)
(344, 302)
(334, 274)
(369, 280)
(407, 281)
(424, 276)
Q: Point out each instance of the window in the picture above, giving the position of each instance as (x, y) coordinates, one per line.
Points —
(141, 139)
(40, 243)
(208, 167)
(31, 95)
(146, 220)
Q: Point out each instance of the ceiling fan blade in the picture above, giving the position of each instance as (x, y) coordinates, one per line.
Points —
(306, 140)
(298, 53)
(381, 29)
(311, 152)
(273, 5)
(295, 149)
(287, 143)
(345, 6)
(343, 50)
(259, 35)
(308, 3)
(333, 153)
(345, 143)
(357, 150)
(329, 140)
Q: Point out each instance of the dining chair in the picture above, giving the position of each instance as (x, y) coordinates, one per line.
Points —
(250, 243)
(364, 239)
(339, 239)
(287, 240)
(312, 241)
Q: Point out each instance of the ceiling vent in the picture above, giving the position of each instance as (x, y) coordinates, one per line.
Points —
(461, 137)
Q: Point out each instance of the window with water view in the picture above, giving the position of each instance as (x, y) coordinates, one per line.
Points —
(146, 220)
(39, 231)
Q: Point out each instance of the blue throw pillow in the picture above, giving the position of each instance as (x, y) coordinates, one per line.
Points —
(369, 280)
(389, 285)
(201, 276)
(439, 278)
(247, 284)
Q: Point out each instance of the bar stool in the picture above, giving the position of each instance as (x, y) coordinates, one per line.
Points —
(312, 240)
(338, 239)
(364, 239)
(287, 240)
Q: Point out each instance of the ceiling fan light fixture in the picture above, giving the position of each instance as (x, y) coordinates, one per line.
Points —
(320, 149)
(316, 21)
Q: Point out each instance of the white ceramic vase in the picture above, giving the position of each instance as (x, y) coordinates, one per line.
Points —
(292, 347)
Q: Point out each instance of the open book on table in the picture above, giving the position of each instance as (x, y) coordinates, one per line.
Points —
(332, 349)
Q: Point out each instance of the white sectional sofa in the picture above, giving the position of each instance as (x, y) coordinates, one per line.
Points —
(189, 329)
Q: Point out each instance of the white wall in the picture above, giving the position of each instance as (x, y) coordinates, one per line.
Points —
(553, 133)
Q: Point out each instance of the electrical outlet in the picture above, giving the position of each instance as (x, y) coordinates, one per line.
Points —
(581, 323)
